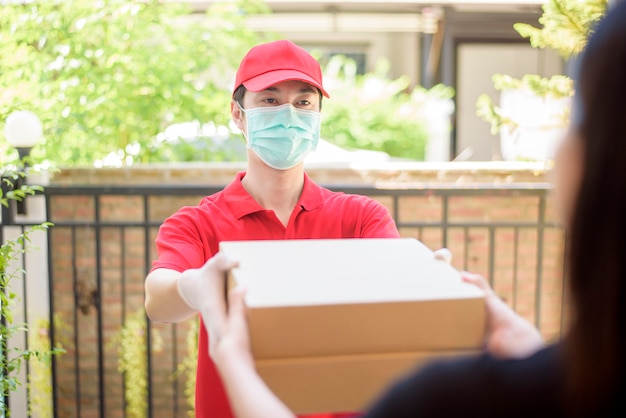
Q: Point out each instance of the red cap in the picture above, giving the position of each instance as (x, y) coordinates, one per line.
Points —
(274, 62)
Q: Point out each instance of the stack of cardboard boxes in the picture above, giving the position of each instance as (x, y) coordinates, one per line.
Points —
(334, 322)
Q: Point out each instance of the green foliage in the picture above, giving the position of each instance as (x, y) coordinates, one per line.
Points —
(566, 25)
(133, 361)
(13, 189)
(40, 376)
(13, 358)
(110, 80)
(489, 112)
(108, 76)
(189, 364)
(374, 112)
(192, 141)
(557, 86)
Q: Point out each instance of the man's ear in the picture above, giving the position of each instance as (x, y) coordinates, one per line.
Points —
(237, 115)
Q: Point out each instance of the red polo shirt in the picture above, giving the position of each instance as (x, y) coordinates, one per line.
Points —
(191, 236)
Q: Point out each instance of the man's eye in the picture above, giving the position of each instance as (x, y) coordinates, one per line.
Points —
(270, 100)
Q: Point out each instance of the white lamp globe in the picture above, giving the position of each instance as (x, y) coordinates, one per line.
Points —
(23, 129)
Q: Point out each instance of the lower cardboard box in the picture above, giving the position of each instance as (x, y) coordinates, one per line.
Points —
(311, 385)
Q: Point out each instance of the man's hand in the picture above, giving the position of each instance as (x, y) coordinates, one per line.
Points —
(508, 334)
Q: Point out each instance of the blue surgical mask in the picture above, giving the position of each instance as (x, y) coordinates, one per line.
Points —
(282, 136)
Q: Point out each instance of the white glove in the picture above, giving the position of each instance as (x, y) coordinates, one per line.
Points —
(203, 287)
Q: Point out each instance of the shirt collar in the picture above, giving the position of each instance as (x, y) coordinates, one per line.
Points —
(242, 204)
(311, 197)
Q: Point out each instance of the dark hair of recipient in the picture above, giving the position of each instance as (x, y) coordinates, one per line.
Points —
(597, 235)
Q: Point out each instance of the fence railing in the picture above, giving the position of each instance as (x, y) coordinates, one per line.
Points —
(117, 363)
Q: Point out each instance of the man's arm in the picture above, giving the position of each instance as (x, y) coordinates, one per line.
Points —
(164, 302)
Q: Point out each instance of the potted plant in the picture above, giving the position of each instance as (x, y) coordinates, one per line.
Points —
(534, 110)
(532, 116)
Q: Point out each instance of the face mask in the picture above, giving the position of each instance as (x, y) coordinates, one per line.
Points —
(282, 136)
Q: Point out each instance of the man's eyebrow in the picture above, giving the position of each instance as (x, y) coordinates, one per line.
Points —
(274, 89)
(307, 90)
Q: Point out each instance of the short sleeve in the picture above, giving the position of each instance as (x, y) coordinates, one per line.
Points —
(179, 242)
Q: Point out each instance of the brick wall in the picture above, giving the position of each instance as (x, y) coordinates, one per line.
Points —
(508, 256)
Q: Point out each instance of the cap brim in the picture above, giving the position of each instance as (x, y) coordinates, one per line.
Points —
(263, 81)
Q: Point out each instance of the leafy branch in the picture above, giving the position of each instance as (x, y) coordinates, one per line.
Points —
(566, 25)
(13, 358)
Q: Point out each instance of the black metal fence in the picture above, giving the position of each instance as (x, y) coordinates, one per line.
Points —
(117, 363)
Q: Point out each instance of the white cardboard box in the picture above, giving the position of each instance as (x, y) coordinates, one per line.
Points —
(333, 321)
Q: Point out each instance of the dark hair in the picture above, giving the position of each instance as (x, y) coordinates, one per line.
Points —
(240, 92)
(596, 262)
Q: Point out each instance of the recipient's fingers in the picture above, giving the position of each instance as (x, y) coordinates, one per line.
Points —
(237, 309)
(213, 309)
(443, 254)
(477, 280)
(238, 316)
(235, 336)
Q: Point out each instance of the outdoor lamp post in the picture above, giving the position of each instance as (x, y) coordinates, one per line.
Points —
(23, 131)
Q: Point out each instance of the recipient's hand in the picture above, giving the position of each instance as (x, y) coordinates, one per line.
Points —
(229, 347)
(232, 342)
(508, 334)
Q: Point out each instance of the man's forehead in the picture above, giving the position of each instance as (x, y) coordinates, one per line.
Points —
(303, 87)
